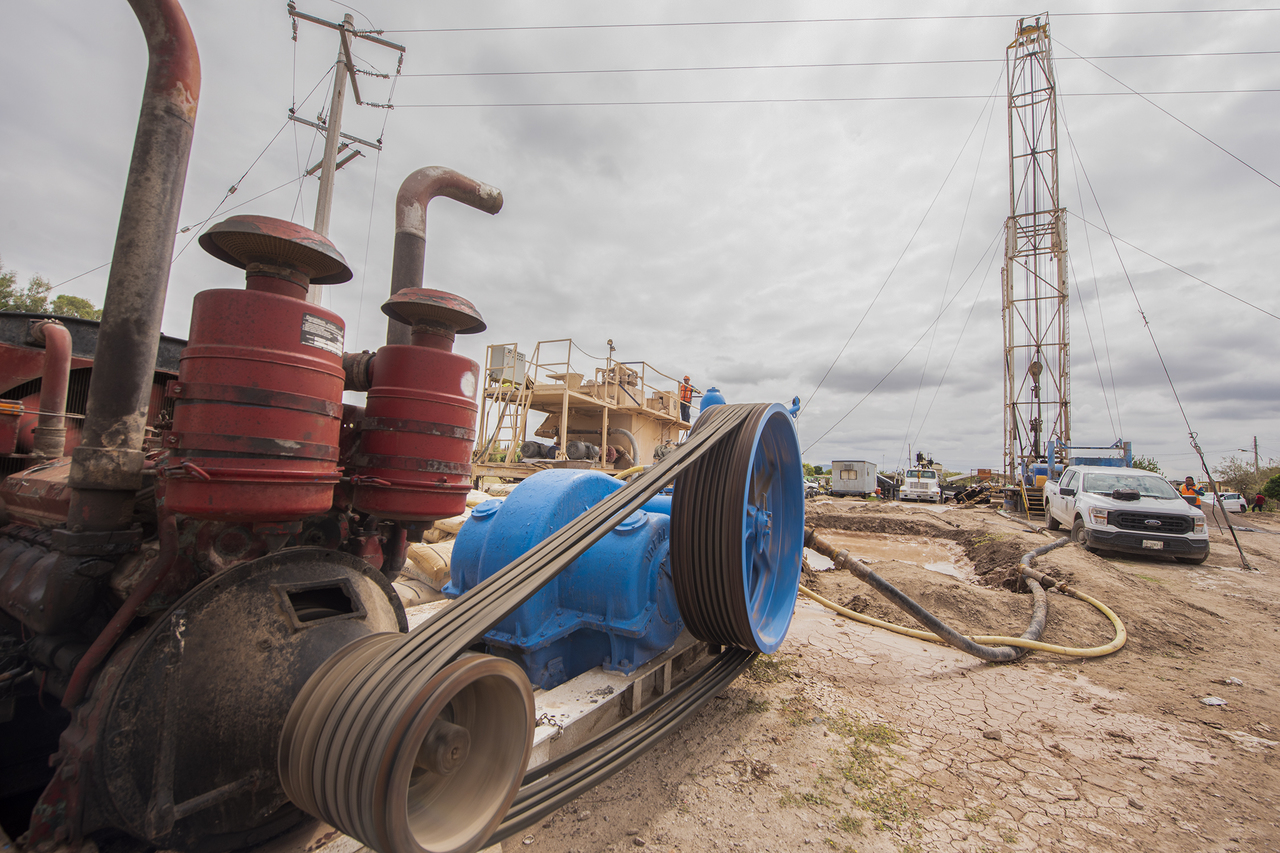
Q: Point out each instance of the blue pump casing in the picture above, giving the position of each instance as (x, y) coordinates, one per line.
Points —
(614, 606)
(710, 399)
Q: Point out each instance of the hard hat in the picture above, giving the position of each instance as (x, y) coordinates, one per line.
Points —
(686, 377)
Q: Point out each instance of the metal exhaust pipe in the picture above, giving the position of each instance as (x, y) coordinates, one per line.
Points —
(51, 429)
(106, 469)
(410, 254)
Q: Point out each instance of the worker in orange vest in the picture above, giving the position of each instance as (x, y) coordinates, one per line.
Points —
(686, 398)
(1190, 493)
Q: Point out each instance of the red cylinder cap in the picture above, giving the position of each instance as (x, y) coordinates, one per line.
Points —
(244, 240)
(416, 305)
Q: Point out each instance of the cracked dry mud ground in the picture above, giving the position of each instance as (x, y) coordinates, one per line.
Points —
(854, 739)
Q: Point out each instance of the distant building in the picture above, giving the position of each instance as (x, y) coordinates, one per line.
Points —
(853, 477)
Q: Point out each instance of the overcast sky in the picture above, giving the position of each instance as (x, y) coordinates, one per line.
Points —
(733, 222)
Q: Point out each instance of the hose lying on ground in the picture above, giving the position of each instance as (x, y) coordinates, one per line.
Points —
(979, 646)
(1034, 528)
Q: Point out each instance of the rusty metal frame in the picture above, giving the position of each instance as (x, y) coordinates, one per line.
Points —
(1034, 278)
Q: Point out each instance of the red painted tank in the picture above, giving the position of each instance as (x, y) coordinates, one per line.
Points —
(414, 459)
(258, 399)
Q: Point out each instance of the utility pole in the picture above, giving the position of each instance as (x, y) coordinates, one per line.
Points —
(1037, 387)
(343, 70)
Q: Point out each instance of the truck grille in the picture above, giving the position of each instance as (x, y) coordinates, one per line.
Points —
(1140, 521)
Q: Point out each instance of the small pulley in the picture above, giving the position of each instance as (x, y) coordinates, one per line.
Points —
(436, 775)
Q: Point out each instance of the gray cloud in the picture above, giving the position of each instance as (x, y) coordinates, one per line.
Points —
(737, 242)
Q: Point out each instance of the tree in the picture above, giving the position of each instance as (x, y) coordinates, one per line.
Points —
(1272, 488)
(1147, 463)
(1238, 475)
(808, 469)
(66, 305)
(34, 298)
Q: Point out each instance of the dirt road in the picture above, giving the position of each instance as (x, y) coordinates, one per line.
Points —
(855, 739)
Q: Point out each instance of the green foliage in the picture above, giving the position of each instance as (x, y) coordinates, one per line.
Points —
(798, 711)
(1237, 475)
(66, 305)
(808, 469)
(890, 806)
(769, 669)
(848, 823)
(34, 298)
(848, 726)
(498, 455)
(1272, 488)
(1147, 463)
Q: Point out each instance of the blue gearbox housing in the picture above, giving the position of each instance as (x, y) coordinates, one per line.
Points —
(614, 606)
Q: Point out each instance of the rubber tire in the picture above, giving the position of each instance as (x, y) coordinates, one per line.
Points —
(1193, 561)
(1051, 522)
(1078, 534)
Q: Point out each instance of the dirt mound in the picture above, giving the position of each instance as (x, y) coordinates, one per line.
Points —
(995, 556)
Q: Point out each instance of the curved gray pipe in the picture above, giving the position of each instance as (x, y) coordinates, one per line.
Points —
(635, 447)
(410, 253)
(106, 469)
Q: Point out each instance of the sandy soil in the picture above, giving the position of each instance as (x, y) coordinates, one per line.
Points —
(854, 739)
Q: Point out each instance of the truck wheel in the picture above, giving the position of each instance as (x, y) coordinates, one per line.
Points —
(1195, 561)
(1051, 522)
(1080, 534)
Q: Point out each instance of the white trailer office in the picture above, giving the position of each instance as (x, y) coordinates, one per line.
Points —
(853, 477)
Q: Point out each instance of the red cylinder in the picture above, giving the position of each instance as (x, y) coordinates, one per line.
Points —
(414, 459)
(258, 409)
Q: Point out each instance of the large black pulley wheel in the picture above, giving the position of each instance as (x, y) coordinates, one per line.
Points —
(737, 531)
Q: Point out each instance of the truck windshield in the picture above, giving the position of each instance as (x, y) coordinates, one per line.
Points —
(923, 475)
(1149, 487)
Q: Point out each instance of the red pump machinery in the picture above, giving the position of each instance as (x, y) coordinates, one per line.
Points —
(214, 526)
(259, 391)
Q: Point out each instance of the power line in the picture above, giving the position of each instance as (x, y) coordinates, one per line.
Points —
(1183, 123)
(812, 65)
(1117, 426)
(1172, 266)
(776, 21)
(955, 253)
(864, 98)
(1146, 323)
(902, 255)
(951, 268)
(995, 241)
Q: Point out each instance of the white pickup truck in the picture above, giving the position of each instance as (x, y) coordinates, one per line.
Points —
(1126, 509)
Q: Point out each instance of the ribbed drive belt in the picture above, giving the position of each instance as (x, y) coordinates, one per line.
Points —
(541, 794)
(361, 728)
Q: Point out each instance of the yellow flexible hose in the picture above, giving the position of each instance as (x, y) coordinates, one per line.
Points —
(1095, 652)
(635, 469)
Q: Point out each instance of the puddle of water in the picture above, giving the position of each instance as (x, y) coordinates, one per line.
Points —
(936, 555)
(817, 562)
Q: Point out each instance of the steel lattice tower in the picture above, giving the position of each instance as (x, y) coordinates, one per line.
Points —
(1034, 278)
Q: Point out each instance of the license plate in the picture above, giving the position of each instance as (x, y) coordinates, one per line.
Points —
(1152, 543)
